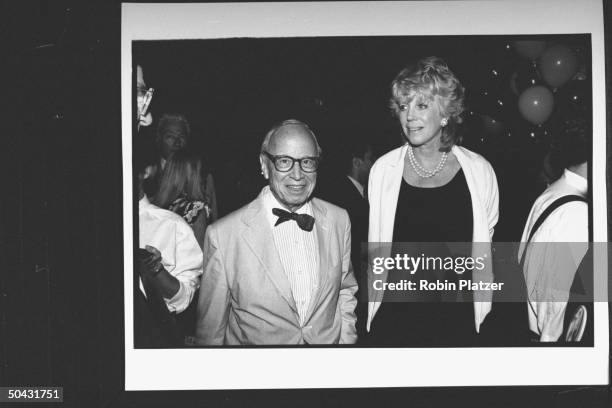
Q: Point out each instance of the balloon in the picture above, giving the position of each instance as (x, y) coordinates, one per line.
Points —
(526, 75)
(529, 49)
(536, 104)
(558, 64)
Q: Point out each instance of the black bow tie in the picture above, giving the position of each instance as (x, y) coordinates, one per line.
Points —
(304, 221)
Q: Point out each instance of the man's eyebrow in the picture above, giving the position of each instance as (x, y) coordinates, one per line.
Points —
(286, 155)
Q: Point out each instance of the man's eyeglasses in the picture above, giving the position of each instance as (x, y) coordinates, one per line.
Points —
(285, 163)
(142, 91)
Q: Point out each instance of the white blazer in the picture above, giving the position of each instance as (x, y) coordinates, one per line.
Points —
(383, 188)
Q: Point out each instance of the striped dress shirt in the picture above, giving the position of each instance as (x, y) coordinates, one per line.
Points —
(298, 253)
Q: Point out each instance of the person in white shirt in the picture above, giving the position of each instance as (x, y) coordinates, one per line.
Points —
(558, 245)
(278, 270)
(170, 256)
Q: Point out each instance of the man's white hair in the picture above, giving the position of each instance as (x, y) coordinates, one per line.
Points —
(288, 122)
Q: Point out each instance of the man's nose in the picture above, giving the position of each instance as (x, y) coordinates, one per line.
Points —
(296, 172)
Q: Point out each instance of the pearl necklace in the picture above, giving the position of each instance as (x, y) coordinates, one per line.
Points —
(422, 172)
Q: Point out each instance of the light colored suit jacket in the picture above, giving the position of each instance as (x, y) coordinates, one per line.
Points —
(383, 187)
(245, 296)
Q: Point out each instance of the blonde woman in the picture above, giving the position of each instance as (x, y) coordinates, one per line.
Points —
(431, 190)
(185, 187)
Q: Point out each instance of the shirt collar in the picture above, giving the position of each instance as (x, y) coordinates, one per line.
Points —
(577, 181)
(144, 202)
(357, 184)
(271, 202)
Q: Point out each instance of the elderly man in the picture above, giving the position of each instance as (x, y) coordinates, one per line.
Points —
(278, 270)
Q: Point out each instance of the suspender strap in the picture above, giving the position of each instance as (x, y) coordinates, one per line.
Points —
(556, 204)
(552, 207)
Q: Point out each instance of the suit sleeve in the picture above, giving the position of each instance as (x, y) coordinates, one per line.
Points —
(214, 296)
(348, 288)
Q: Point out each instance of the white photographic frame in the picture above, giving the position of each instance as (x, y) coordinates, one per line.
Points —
(267, 368)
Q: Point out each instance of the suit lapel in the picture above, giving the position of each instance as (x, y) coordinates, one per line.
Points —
(323, 230)
(259, 238)
(391, 183)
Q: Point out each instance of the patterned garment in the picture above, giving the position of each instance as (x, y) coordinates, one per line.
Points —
(189, 210)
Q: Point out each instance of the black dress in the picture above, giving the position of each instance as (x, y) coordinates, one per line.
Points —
(431, 319)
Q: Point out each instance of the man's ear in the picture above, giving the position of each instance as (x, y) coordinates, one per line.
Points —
(357, 162)
(264, 168)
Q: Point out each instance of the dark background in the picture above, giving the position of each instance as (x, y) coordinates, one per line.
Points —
(61, 287)
(233, 90)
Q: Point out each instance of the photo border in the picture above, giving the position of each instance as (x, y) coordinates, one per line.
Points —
(196, 369)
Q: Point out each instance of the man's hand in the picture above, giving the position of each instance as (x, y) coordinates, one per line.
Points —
(152, 270)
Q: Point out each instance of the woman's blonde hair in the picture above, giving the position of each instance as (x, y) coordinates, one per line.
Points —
(432, 78)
